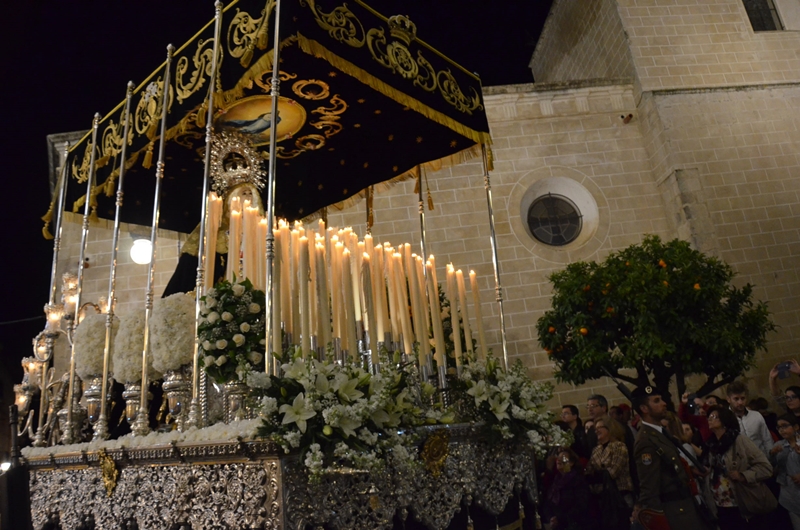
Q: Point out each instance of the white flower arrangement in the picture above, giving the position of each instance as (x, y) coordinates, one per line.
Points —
(128, 345)
(90, 343)
(511, 405)
(172, 331)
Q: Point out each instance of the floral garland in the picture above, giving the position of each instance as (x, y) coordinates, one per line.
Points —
(231, 330)
(128, 346)
(90, 344)
(338, 415)
(172, 331)
(511, 406)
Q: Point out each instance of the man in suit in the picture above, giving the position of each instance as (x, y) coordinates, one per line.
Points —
(664, 485)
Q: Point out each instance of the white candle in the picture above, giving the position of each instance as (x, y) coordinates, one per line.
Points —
(436, 316)
(476, 300)
(369, 306)
(452, 295)
(425, 344)
(391, 289)
(295, 262)
(234, 245)
(305, 319)
(405, 320)
(322, 295)
(384, 324)
(286, 277)
(276, 295)
(350, 308)
(261, 253)
(462, 304)
(416, 306)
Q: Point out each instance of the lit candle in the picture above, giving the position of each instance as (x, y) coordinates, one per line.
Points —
(286, 277)
(391, 289)
(402, 301)
(384, 324)
(276, 295)
(416, 307)
(214, 216)
(338, 295)
(322, 295)
(452, 295)
(313, 314)
(305, 322)
(425, 344)
(350, 308)
(261, 254)
(476, 300)
(234, 245)
(369, 305)
(462, 304)
(295, 262)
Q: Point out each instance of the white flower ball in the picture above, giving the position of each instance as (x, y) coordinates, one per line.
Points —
(254, 357)
(254, 308)
(238, 289)
(210, 302)
(222, 344)
(213, 317)
(244, 327)
(227, 317)
(238, 339)
(222, 359)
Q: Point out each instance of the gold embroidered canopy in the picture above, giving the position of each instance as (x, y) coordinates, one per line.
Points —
(363, 100)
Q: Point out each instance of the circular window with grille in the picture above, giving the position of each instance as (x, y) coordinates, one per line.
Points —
(554, 220)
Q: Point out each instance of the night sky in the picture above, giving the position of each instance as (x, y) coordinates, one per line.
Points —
(65, 60)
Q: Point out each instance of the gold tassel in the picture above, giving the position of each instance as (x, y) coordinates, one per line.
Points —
(201, 116)
(246, 57)
(46, 232)
(261, 37)
(147, 163)
(430, 200)
(102, 162)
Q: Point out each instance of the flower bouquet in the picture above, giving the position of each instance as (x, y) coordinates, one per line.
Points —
(338, 415)
(128, 345)
(231, 330)
(511, 406)
(172, 331)
(90, 344)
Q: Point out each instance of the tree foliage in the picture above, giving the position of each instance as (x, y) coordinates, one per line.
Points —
(659, 309)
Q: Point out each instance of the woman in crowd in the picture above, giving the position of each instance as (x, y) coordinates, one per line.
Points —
(738, 469)
(614, 490)
(785, 457)
(568, 495)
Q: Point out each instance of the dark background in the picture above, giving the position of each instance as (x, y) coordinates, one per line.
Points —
(62, 61)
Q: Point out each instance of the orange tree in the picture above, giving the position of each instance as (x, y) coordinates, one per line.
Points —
(650, 312)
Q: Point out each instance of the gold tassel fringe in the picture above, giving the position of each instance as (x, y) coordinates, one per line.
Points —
(247, 56)
(147, 163)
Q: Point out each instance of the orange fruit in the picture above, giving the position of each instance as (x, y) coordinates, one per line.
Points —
(697, 287)
(662, 263)
(587, 288)
(584, 331)
(666, 283)
(609, 309)
(551, 329)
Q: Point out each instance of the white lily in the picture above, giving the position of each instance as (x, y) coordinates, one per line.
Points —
(498, 406)
(479, 391)
(348, 426)
(346, 388)
(294, 370)
(298, 412)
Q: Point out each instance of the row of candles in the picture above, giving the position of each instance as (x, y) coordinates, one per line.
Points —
(331, 285)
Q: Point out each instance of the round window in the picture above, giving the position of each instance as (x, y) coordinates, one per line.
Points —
(554, 220)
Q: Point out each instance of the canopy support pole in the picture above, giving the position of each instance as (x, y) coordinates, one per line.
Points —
(198, 413)
(422, 231)
(69, 429)
(142, 424)
(498, 290)
(271, 365)
(101, 427)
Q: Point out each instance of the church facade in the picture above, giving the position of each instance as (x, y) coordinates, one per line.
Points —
(667, 117)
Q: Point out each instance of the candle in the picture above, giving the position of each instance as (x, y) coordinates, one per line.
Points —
(369, 306)
(462, 303)
(234, 244)
(381, 296)
(295, 278)
(425, 344)
(476, 300)
(276, 295)
(305, 319)
(350, 308)
(436, 316)
(391, 289)
(402, 301)
(261, 254)
(249, 242)
(313, 301)
(416, 307)
(336, 291)
(322, 296)
(214, 217)
(452, 295)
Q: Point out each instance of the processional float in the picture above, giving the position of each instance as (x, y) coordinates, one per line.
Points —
(368, 104)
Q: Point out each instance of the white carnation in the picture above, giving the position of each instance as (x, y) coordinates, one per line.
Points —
(222, 359)
(172, 331)
(90, 343)
(128, 345)
(259, 380)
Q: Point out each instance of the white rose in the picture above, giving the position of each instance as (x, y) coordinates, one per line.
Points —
(254, 308)
(222, 344)
(222, 359)
(238, 339)
(209, 360)
(238, 289)
(207, 345)
(255, 357)
(244, 327)
(227, 317)
(210, 302)
(213, 317)
(263, 342)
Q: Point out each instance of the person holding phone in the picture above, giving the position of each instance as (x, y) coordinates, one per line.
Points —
(790, 398)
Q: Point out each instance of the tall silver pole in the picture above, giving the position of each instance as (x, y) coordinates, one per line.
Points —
(50, 335)
(195, 413)
(498, 290)
(67, 436)
(270, 364)
(141, 426)
(101, 426)
(422, 231)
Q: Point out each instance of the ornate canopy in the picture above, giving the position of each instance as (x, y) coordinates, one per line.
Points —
(363, 100)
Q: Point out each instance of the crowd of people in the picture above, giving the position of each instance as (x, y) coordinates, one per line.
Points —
(715, 462)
